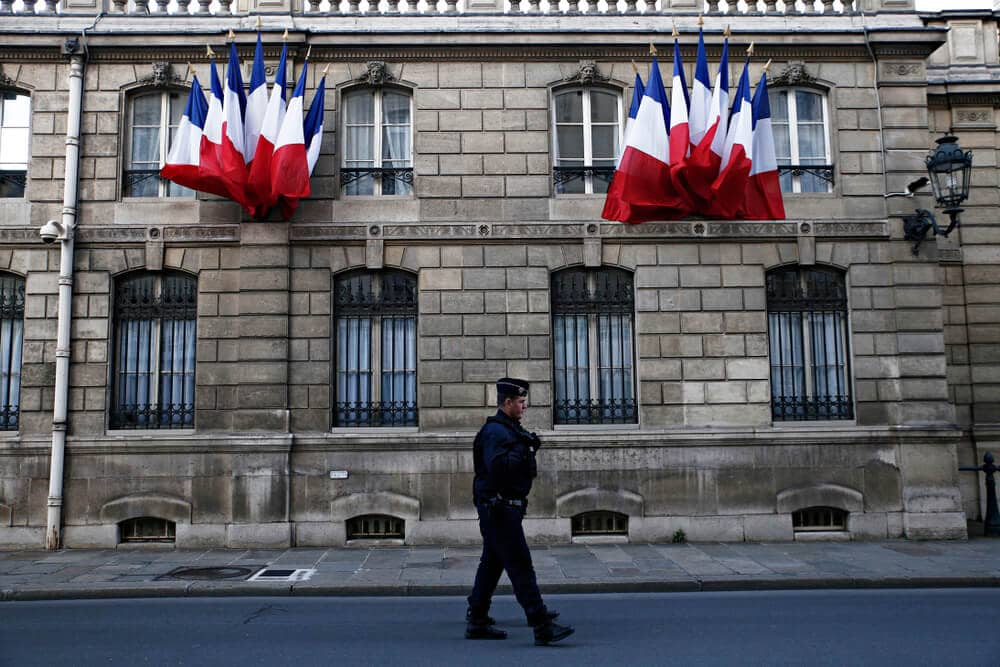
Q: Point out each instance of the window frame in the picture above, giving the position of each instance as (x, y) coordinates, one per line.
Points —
(406, 173)
(117, 423)
(588, 168)
(376, 317)
(166, 129)
(795, 167)
(18, 176)
(809, 397)
(592, 309)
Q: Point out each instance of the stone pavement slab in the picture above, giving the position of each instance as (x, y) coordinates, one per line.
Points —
(437, 570)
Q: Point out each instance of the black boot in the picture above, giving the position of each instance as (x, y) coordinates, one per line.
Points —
(489, 619)
(480, 629)
(550, 633)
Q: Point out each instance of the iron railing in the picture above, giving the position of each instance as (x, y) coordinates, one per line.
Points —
(376, 413)
(573, 179)
(394, 180)
(823, 172)
(596, 411)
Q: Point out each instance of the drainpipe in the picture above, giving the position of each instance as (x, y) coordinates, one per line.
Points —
(53, 530)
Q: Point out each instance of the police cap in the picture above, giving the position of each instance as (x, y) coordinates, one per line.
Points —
(511, 387)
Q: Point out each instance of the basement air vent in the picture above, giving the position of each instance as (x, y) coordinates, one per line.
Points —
(813, 519)
(600, 523)
(147, 529)
(375, 527)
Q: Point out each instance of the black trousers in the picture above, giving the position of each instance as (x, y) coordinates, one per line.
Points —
(504, 548)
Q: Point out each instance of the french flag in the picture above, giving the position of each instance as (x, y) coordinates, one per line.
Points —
(680, 131)
(633, 110)
(259, 177)
(313, 138)
(706, 155)
(728, 190)
(289, 164)
(183, 165)
(641, 189)
(210, 172)
(256, 107)
(763, 197)
(232, 154)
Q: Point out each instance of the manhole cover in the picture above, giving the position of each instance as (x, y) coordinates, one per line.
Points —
(210, 573)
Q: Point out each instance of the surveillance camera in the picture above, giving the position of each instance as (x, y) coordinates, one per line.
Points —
(50, 231)
(914, 186)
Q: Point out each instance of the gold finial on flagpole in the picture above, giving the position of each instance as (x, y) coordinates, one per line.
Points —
(258, 22)
(728, 32)
(652, 49)
(232, 35)
(309, 51)
(189, 70)
(208, 51)
(284, 37)
(675, 34)
(326, 69)
(701, 20)
(750, 49)
(635, 68)
(767, 66)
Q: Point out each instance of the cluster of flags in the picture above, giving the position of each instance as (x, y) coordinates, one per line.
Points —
(693, 154)
(251, 148)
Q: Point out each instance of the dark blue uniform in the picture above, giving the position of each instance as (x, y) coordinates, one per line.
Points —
(504, 459)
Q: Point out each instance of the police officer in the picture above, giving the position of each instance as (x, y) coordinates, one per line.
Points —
(504, 459)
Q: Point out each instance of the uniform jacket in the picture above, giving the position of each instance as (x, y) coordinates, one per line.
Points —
(504, 459)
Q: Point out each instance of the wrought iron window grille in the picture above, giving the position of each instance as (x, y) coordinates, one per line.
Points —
(600, 522)
(12, 183)
(583, 291)
(155, 319)
(821, 171)
(376, 413)
(597, 411)
(563, 175)
(386, 293)
(136, 178)
(813, 519)
(386, 174)
(11, 333)
(807, 326)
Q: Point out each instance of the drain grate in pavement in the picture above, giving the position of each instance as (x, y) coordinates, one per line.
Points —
(210, 573)
(283, 575)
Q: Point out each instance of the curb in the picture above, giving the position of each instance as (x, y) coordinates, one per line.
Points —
(244, 589)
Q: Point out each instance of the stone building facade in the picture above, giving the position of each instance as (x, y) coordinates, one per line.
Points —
(243, 383)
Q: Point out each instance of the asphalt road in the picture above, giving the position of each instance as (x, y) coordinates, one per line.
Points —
(867, 627)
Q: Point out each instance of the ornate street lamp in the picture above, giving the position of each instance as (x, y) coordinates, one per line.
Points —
(950, 172)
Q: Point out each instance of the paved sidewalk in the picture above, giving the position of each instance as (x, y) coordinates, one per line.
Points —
(33, 575)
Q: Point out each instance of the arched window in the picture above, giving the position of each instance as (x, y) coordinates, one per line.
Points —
(153, 118)
(155, 320)
(11, 339)
(378, 142)
(375, 329)
(807, 328)
(15, 136)
(592, 334)
(587, 140)
(800, 118)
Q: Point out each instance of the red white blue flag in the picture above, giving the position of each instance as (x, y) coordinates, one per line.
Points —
(763, 196)
(633, 110)
(232, 154)
(259, 178)
(706, 155)
(312, 132)
(289, 165)
(183, 165)
(729, 188)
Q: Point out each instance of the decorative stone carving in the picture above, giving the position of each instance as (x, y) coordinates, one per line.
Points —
(376, 73)
(5, 81)
(587, 73)
(902, 69)
(795, 74)
(162, 75)
(967, 117)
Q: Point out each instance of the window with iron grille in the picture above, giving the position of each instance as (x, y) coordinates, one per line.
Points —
(799, 117)
(147, 529)
(11, 338)
(378, 142)
(155, 321)
(813, 519)
(807, 328)
(15, 116)
(587, 139)
(152, 122)
(592, 334)
(375, 330)
(600, 522)
(375, 527)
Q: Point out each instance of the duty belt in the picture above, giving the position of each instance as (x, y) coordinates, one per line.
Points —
(513, 502)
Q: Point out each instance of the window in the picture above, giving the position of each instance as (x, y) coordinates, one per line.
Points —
(812, 519)
(587, 139)
(378, 143)
(375, 527)
(800, 120)
(11, 336)
(155, 322)
(152, 121)
(592, 335)
(807, 327)
(147, 529)
(599, 523)
(15, 114)
(376, 349)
